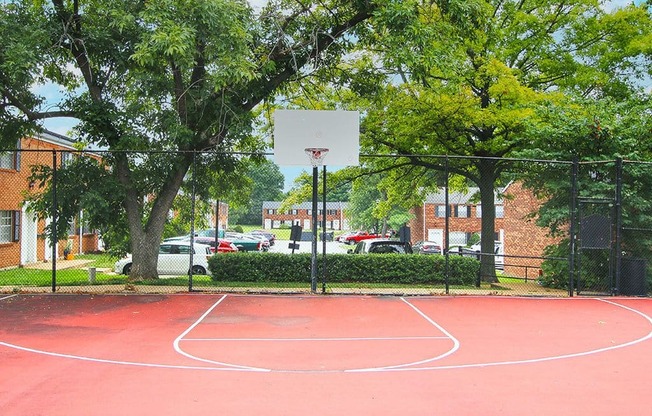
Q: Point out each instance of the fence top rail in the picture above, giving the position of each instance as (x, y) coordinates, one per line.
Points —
(362, 155)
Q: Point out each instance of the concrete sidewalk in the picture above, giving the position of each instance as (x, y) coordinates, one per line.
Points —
(61, 264)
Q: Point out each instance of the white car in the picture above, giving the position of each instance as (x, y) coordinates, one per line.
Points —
(174, 259)
(498, 253)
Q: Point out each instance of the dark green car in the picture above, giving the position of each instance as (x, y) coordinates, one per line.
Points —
(244, 242)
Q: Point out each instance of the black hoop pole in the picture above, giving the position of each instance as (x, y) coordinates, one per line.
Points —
(313, 257)
(323, 231)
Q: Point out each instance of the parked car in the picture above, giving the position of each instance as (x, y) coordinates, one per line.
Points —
(381, 246)
(209, 232)
(225, 246)
(271, 237)
(262, 239)
(358, 236)
(499, 259)
(174, 259)
(427, 247)
(461, 250)
(244, 242)
(342, 237)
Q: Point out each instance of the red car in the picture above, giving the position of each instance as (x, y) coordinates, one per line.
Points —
(224, 247)
(358, 236)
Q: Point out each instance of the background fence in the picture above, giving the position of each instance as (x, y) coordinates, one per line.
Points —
(561, 228)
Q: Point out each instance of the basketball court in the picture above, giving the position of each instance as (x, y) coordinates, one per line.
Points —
(197, 354)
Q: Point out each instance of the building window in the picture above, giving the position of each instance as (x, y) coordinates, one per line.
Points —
(441, 211)
(500, 211)
(7, 160)
(270, 211)
(9, 226)
(295, 212)
(462, 211)
(10, 160)
(66, 158)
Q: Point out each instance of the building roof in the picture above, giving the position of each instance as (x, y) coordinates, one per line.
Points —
(457, 197)
(56, 138)
(305, 205)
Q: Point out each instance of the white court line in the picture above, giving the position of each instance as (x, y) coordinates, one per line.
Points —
(448, 335)
(7, 297)
(178, 349)
(107, 361)
(543, 359)
(448, 367)
(317, 339)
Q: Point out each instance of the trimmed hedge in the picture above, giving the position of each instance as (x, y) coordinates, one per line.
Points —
(344, 268)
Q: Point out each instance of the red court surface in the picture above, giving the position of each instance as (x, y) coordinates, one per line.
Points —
(197, 354)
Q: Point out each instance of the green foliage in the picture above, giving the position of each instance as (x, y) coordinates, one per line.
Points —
(161, 76)
(266, 185)
(82, 183)
(344, 268)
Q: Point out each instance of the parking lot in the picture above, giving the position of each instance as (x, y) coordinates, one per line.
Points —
(332, 247)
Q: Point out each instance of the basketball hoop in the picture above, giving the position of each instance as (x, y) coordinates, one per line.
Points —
(316, 155)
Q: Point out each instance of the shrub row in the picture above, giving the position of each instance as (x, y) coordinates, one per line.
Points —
(344, 268)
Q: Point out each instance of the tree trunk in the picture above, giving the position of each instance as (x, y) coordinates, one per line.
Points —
(488, 227)
(146, 238)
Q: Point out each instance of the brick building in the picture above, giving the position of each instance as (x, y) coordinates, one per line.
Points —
(515, 230)
(21, 240)
(465, 218)
(301, 214)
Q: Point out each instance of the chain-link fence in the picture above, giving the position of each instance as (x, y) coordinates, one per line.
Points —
(558, 228)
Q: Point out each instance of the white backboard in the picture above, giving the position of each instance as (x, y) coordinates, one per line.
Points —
(296, 130)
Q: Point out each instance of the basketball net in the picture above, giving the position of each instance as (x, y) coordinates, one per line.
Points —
(316, 155)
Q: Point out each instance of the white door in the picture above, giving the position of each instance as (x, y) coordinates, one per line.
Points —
(48, 243)
(436, 236)
(306, 225)
(28, 238)
(268, 224)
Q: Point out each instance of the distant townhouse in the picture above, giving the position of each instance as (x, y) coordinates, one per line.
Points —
(301, 214)
(429, 222)
(515, 229)
(21, 233)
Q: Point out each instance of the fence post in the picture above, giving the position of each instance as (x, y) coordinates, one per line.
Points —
(619, 222)
(54, 221)
(572, 226)
(192, 218)
(446, 224)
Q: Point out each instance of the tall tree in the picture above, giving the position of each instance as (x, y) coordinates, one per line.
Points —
(160, 76)
(474, 88)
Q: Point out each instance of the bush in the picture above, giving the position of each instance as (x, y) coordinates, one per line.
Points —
(344, 268)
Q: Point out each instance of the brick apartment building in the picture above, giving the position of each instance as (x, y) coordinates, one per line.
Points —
(21, 240)
(301, 214)
(518, 234)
